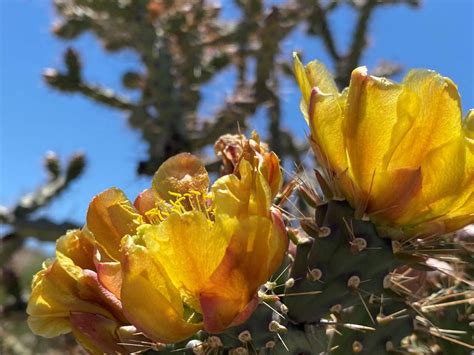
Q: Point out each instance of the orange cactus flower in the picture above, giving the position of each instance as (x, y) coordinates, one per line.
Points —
(399, 153)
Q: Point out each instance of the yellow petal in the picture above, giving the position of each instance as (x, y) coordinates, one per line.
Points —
(189, 247)
(49, 326)
(429, 115)
(110, 217)
(180, 174)
(369, 120)
(149, 298)
(243, 195)
(323, 107)
(313, 75)
(302, 79)
(469, 125)
(270, 169)
(326, 116)
(447, 185)
(77, 246)
(54, 295)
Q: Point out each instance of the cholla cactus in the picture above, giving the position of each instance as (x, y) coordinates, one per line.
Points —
(184, 269)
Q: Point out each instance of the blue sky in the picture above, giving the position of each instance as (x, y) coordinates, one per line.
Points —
(35, 119)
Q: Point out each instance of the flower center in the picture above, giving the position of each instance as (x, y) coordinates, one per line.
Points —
(182, 203)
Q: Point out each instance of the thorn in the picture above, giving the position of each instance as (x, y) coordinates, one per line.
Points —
(299, 294)
(280, 275)
(281, 339)
(469, 301)
(274, 310)
(366, 308)
(358, 327)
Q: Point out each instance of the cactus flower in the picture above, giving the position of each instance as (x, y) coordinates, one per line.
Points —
(180, 259)
(67, 296)
(400, 153)
(202, 257)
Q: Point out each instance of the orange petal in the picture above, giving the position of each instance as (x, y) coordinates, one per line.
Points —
(110, 276)
(146, 201)
(96, 333)
(245, 267)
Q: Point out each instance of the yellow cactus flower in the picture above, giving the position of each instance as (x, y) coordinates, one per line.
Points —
(398, 152)
(180, 259)
(67, 296)
(202, 258)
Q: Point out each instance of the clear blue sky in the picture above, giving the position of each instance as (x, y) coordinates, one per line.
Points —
(35, 119)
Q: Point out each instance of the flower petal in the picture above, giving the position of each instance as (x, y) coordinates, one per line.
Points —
(369, 120)
(245, 267)
(96, 333)
(110, 217)
(313, 75)
(110, 276)
(243, 195)
(447, 185)
(189, 247)
(180, 174)
(55, 293)
(429, 115)
(77, 246)
(149, 298)
(146, 201)
(323, 107)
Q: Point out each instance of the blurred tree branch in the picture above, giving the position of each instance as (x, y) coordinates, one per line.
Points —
(182, 45)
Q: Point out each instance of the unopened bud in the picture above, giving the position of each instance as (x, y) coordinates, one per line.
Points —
(75, 166)
(51, 162)
(387, 281)
(337, 308)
